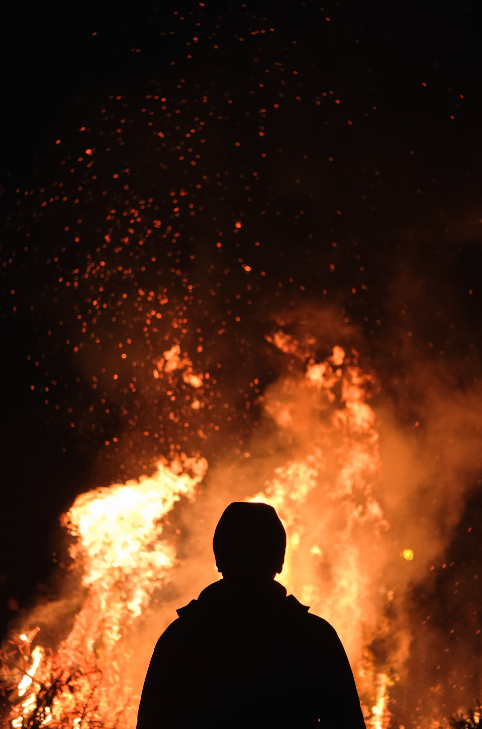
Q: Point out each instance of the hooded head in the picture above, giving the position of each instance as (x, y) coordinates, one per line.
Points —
(249, 542)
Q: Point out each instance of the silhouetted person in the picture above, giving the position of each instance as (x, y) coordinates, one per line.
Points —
(244, 655)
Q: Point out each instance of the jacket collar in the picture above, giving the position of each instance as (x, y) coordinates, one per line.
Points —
(231, 596)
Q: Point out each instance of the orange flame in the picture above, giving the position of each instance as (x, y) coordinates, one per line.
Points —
(325, 495)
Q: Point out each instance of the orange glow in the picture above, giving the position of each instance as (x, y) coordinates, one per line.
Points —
(324, 493)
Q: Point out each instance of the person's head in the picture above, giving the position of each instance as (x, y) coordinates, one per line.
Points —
(249, 542)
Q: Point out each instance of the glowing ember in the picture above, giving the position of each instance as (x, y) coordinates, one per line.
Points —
(172, 361)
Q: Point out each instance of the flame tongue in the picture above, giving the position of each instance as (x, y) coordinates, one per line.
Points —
(119, 541)
(123, 559)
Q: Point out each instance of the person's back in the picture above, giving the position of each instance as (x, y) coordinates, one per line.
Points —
(246, 655)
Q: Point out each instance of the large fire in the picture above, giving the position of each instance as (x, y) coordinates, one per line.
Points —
(327, 498)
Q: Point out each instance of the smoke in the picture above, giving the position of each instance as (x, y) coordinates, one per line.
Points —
(429, 469)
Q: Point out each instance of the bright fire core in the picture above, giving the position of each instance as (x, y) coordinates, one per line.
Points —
(325, 492)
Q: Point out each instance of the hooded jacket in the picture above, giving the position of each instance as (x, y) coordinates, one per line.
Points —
(249, 657)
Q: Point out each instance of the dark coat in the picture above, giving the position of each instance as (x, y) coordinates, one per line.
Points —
(249, 658)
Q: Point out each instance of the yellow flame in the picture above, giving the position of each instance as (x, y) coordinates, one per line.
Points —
(37, 655)
(124, 559)
(118, 529)
(380, 715)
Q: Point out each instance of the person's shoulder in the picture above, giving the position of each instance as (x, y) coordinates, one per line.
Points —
(173, 628)
(171, 634)
(313, 623)
(320, 624)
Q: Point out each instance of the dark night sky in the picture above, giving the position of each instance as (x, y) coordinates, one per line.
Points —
(397, 189)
